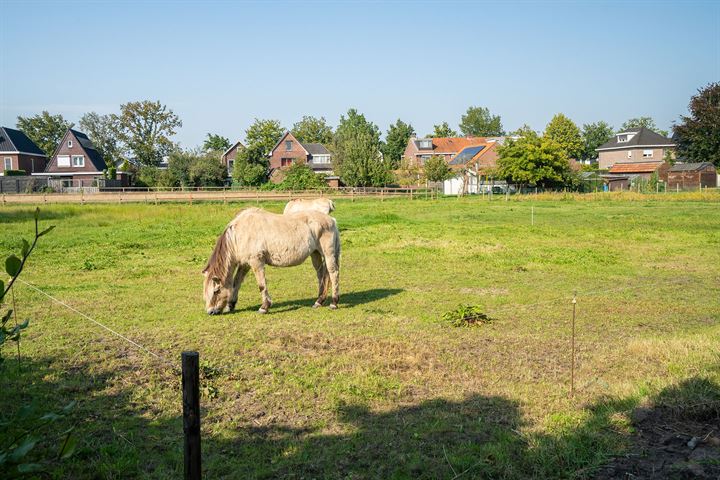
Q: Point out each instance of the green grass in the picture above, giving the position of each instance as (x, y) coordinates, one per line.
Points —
(382, 387)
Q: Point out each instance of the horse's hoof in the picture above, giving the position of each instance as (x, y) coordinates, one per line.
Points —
(262, 310)
(317, 305)
(333, 306)
(231, 306)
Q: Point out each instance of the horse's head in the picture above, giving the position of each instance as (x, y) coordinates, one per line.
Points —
(216, 293)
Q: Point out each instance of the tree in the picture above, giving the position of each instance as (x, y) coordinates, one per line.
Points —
(565, 133)
(263, 135)
(396, 141)
(408, 173)
(646, 122)
(207, 171)
(699, 134)
(250, 167)
(478, 122)
(216, 143)
(443, 130)
(437, 169)
(532, 159)
(312, 130)
(103, 130)
(146, 129)
(44, 129)
(356, 152)
(594, 135)
(299, 176)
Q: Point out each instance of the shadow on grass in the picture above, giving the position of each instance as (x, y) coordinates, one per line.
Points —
(347, 300)
(124, 435)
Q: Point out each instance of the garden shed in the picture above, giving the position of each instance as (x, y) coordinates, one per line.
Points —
(692, 176)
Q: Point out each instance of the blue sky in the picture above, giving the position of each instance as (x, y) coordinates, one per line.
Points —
(219, 64)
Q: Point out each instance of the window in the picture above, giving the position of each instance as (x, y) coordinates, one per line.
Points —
(78, 161)
(69, 143)
(63, 160)
(230, 164)
(288, 145)
(320, 159)
(630, 154)
(8, 163)
(425, 144)
(647, 153)
(286, 162)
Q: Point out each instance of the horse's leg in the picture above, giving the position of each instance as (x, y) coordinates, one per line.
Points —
(237, 281)
(322, 277)
(332, 263)
(259, 271)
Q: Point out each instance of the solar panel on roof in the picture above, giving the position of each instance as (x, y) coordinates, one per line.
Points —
(466, 154)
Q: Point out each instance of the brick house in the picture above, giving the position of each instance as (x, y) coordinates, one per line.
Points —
(469, 166)
(228, 157)
(418, 151)
(692, 176)
(76, 161)
(18, 152)
(633, 145)
(288, 151)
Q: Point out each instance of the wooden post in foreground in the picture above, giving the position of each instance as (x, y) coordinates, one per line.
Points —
(191, 414)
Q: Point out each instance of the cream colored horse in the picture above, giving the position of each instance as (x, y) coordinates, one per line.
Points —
(322, 205)
(255, 238)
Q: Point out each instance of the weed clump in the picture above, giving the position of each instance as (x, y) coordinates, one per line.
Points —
(466, 316)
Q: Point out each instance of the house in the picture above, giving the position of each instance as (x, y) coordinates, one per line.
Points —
(622, 175)
(77, 163)
(228, 157)
(418, 151)
(18, 152)
(469, 165)
(684, 176)
(633, 145)
(288, 151)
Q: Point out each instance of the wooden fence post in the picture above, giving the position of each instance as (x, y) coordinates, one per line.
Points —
(191, 414)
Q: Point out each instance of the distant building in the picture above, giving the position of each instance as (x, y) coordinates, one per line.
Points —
(622, 175)
(18, 152)
(228, 157)
(633, 145)
(419, 150)
(469, 166)
(692, 176)
(289, 151)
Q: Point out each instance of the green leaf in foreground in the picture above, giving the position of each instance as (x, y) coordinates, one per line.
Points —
(12, 265)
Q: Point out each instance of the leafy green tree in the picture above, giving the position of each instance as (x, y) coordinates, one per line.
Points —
(437, 169)
(146, 129)
(534, 160)
(443, 130)
(699, 134)
(250, 167)
(408, 173)
(44, 129)
(594, 135)
(313, 130)
(103, 130)
(356, 152)
(565, 133)
(396, 141)
(263, 135)
(207, 171)
(299, 176)
(478, 122)
(216, 143)
(646, 122)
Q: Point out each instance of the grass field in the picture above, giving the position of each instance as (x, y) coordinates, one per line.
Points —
(382, 387)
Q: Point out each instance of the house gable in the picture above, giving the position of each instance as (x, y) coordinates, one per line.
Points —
(66, 158)
(288, 151)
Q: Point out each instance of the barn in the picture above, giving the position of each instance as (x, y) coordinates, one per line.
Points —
(692, 176)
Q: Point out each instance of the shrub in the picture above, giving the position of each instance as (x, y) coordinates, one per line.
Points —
(15, 173)
(466, 316)
(301, 177)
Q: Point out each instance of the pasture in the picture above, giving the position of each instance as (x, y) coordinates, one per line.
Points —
(381, 387)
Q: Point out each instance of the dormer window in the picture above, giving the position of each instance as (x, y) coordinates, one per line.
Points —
(69, 143)
(622, 138)
(426, 144)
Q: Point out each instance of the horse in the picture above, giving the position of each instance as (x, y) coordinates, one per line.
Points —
(255, 238)
(322, 205)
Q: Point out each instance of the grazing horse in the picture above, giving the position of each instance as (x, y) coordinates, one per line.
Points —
(255, 238)
(322, 205)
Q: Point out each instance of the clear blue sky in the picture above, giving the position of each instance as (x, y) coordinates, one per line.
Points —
(220, 64)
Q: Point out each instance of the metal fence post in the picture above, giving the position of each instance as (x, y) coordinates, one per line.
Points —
(191, 414)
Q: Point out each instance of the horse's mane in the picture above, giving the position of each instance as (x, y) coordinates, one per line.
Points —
(219, 261)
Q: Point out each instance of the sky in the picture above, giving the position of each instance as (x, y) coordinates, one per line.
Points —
(220, 64)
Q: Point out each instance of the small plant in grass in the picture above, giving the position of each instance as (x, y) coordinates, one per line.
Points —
(466, 316)
(22, 431)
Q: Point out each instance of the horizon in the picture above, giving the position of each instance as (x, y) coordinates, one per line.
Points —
(220, 65)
